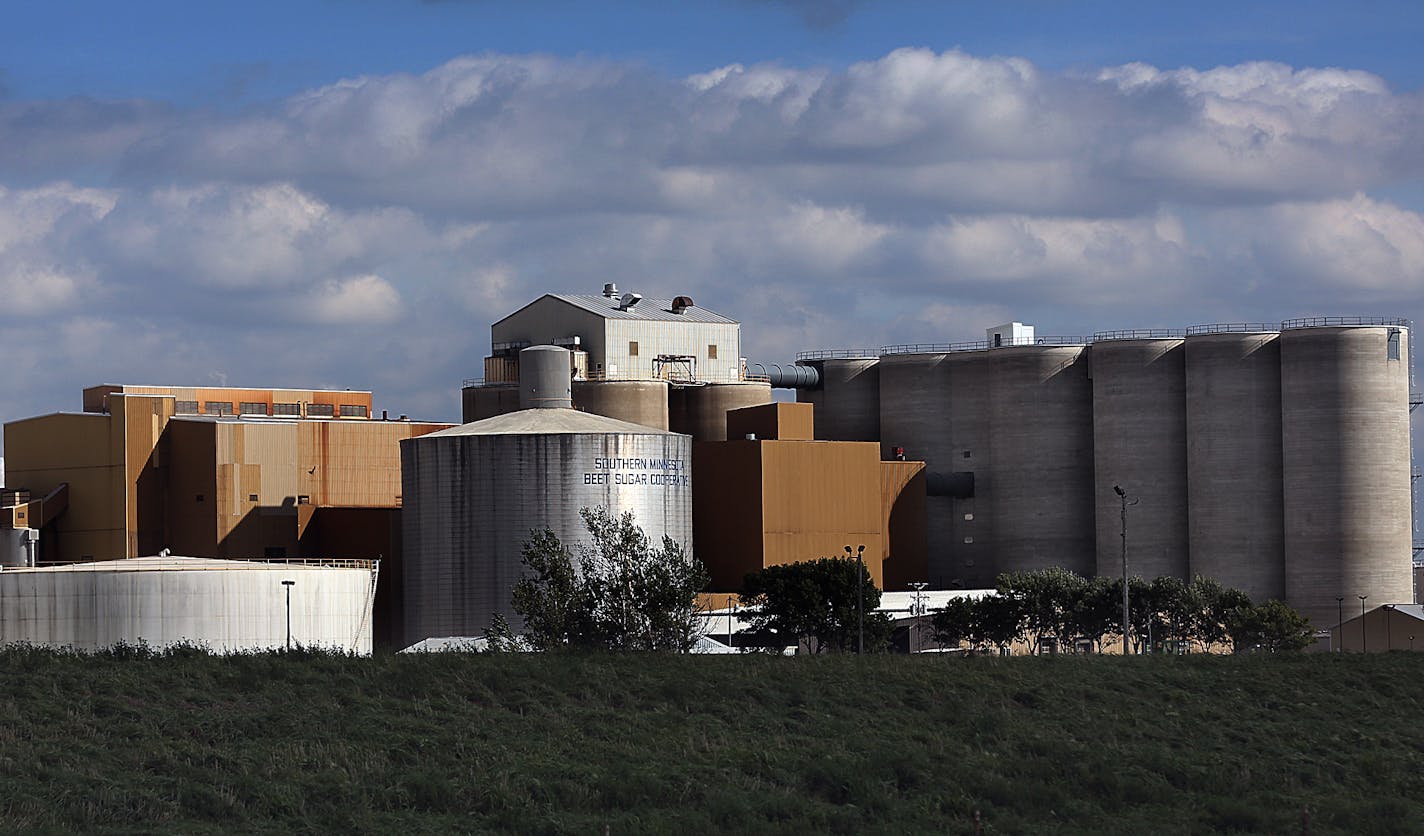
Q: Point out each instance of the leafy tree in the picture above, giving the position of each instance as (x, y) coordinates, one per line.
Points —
(999, 621)
(1272, 626)
(617, 593)
(1048, 599)
(955, 622)
(1098, 610)
(1213, 604)
(815, 600)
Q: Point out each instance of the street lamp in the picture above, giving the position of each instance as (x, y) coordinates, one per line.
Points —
(917, 609)
(1340, 620)
(288, 585)
(1388, 633)
(1362, 622)
(859, 595)
(1126, 625)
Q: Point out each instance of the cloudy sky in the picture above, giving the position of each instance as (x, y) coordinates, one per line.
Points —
(347, 194)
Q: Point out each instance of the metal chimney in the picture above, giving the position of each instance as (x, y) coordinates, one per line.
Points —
(610, 290)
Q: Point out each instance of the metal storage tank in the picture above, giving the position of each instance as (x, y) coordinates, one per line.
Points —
(1140, 443)
(1041, 435)
(229, 606)
(848, 399)
(473, 494)
(635, 401)
(914, 415)
(701, 411)
(1345, 443)
(1234, 497)
(488, 400)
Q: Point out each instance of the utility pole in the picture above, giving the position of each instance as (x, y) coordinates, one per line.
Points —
(1126, 606)
(859, 595)
(288, 585)
(1362, 622)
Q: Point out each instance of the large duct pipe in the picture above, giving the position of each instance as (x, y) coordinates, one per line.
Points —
(788, 376)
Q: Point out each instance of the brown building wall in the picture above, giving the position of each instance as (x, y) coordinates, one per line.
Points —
(773, 421)
(43, 452)
(726, 510)
(902, 494)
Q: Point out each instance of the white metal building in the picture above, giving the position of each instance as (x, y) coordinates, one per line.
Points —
(229, 606)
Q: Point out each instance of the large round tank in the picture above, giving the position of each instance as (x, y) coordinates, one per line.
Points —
(472, 495)
(229, 606)
(701, 411)
(636, 401)
(969, 560)
(1041, 435)
(914, 403)
(1234, 505)
(1140, 444)
(488, 400)
(848, 400)
(1345, 443)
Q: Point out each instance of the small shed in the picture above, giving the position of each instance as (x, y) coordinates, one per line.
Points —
(1386, 627)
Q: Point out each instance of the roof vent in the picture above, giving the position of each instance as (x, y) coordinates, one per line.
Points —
(610, 290)
(629, 301)
(681, 304)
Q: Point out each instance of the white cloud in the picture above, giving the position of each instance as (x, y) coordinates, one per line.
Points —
(359, 300)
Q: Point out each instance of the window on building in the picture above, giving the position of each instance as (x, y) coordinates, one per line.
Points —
(353, 410)
(252, 497)
(217, 407)
(1392, 347)
(253, 408)
(286, 409)
(199, 498)
(185, 407)
(304, 500)
(711, 352)
(320, 410)
(633, 349)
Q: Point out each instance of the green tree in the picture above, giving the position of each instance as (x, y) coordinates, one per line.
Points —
(1098, 610)
(617, 592)
(1213, 603)
(998, 622)
(954, 623)
(1273, 627)
(1048, 599)
(815, 601)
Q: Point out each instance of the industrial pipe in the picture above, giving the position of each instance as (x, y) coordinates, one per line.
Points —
(788, 376)
(956, 485)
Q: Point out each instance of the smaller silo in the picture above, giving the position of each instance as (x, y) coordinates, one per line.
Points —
(701, 411)
(486, 400)
(635, 401)
(848, 399)
(1140, 444)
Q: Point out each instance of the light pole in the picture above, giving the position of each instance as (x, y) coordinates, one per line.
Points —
(1388, 632)
(1340, 621)
(917, 609)
(859, 595)
(1126, 606)
(1362, 621)
(731, 614)
(288, 585)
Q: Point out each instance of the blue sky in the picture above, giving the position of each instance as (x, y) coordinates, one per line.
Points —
(348, 193)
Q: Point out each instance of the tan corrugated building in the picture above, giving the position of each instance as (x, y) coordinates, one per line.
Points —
(152, 467)
(781, 497)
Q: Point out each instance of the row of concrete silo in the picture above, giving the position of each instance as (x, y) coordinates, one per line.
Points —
(1274, 458)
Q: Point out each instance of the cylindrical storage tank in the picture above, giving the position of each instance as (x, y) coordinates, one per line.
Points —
(1345, 443)
(969, 557)
(1140, 444)
(545, 378)
(1234, 506)
(488, 400)
(914, 415)
(472, 495)
(701, 411)
(14, 547)
(1041, 434)
(848, 402)
(635, 401)
(228, 606)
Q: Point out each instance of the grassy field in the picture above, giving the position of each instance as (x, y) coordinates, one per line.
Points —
(712, 744)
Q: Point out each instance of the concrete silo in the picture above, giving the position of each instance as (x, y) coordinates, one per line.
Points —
(1234, 496)
(966, 480)
(848, 399)
(635, 401)
(1041, 474)
(1140, 444)
(473, 494)
(1345, 442)
(701, 411)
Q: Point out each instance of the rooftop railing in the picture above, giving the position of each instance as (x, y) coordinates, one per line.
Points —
(1141, 334)
(980, 345)
(840, 354)
(1234, 328)
(1319, 321)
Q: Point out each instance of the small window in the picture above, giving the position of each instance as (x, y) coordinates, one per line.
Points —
(711, 352)
(353, 410)
(303, 500)
(217, 407)
(252, 497)
(185, 407)
(199, 498)
(1392, 347)
(968, 541)
(253, 408)
(320, 410)
(969, 518)
(633, 349)
(286, 409)
(966, 454)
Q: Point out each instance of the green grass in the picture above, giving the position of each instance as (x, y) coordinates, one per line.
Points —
(711, 744)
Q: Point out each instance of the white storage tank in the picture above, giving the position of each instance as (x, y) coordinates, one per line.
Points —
(229, 606)
(472, 496)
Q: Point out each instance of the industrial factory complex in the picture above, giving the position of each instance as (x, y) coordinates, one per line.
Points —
(1274, 457)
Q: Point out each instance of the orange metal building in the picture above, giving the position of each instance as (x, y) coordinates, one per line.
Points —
(772, 495)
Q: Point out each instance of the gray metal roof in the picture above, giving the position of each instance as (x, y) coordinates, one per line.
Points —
(544, 422)
(656, 310)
